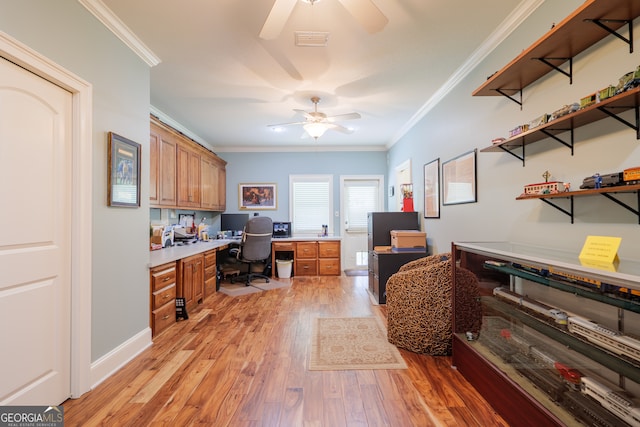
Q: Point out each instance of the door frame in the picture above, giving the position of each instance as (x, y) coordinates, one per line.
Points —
(402, 170)
(343, 232)
(81, 200)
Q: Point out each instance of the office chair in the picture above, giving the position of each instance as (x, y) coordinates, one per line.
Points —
(255, 247)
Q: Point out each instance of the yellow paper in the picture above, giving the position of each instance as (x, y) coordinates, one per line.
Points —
(600, 250)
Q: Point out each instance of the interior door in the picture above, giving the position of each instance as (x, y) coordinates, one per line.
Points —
(35, 246)
(359, 195)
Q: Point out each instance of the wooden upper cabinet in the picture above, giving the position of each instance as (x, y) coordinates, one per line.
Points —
(183, 173)
(222, 187)
(212, 184)
(154, 167)
(188, 177)
(162, 176)
(208, 184)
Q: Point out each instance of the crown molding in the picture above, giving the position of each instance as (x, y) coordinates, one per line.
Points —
(511, 22)
(98, 9)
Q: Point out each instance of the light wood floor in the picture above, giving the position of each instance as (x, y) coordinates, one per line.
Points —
(242, 362)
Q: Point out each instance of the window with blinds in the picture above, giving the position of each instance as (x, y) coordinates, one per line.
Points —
(311, 203)
(360, 197)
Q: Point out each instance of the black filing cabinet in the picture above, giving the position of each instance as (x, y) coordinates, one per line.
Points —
(382, 264)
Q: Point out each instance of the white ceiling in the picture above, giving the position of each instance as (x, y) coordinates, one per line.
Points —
(222, 82)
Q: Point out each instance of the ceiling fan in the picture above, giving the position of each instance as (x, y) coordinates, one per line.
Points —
(364, 11)
(317, 123)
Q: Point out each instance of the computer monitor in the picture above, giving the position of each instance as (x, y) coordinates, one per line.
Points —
(281, 229)
(233, 222)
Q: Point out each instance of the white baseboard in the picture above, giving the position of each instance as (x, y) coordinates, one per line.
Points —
(111, 362)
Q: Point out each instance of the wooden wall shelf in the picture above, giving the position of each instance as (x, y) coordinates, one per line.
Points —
(607, 192)
(590, 23)
(610, 107)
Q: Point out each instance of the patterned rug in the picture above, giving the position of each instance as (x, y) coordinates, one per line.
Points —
(345, 343)
(258, 285)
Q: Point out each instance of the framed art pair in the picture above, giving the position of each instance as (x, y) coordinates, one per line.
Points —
(458, 183)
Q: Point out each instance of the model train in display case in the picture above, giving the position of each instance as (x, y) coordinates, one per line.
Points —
(586, 282)
(605, 338)
(591, 400)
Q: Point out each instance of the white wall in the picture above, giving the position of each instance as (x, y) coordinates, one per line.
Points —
(462, 122)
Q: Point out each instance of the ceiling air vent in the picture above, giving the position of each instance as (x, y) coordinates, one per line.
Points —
(311, 38)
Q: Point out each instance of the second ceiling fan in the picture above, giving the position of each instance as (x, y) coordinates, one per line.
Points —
(364, 11)
(317, 123)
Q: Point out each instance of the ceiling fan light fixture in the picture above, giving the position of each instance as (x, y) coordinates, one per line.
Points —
(315, 130)
(311, 2)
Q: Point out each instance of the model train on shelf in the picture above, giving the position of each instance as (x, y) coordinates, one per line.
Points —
(605, 338)
(590, 283)
(587, 398)
(628, 176)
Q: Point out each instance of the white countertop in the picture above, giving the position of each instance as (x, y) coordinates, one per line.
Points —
(309, 238)
(173, 253)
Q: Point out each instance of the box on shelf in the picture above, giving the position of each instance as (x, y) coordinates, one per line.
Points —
(408, 239)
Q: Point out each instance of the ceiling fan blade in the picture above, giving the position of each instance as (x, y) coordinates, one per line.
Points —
(278, 16)
(287, 124)
(339, 128)
(348, 116)
(367, 14)
(306, 114)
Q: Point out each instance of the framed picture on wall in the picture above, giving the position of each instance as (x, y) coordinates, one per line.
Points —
(432, 189)
(257, 196)
(459, 179)
(124, 172)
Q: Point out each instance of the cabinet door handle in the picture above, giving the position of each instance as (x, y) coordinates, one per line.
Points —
(165, 296)
(166, 279)
(165, 317)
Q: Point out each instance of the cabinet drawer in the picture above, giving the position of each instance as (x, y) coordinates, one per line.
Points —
(328, 249)
(164, 317)
(329, 267)
(210, 272)
(306, 267)
(163, 277)
(306, 250)
(283, 246)
(163, 296)
(209, 286)
(209, 258)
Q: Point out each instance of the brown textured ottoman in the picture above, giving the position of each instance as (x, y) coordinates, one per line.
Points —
(419, 307)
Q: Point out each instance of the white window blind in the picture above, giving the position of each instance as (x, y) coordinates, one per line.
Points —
(311, 203)
(361, 197)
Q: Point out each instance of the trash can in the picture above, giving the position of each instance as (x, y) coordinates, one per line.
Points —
(284, 268)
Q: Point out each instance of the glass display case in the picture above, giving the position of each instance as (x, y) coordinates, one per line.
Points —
(559, 342)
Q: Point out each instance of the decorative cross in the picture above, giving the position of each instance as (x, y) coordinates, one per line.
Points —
(546, 175)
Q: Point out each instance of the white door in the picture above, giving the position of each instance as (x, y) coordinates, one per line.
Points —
(35, 246)
(359, 195)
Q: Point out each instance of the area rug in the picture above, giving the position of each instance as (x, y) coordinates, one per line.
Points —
(240, 288)
(344, 343)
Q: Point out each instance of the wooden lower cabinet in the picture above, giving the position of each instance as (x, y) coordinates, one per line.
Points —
(210, 273)
(306, 259)
(163, 297)
(191, 284)
(310, 258)
(329, 258)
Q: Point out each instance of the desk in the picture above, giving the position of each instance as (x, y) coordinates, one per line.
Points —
(311, 256)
